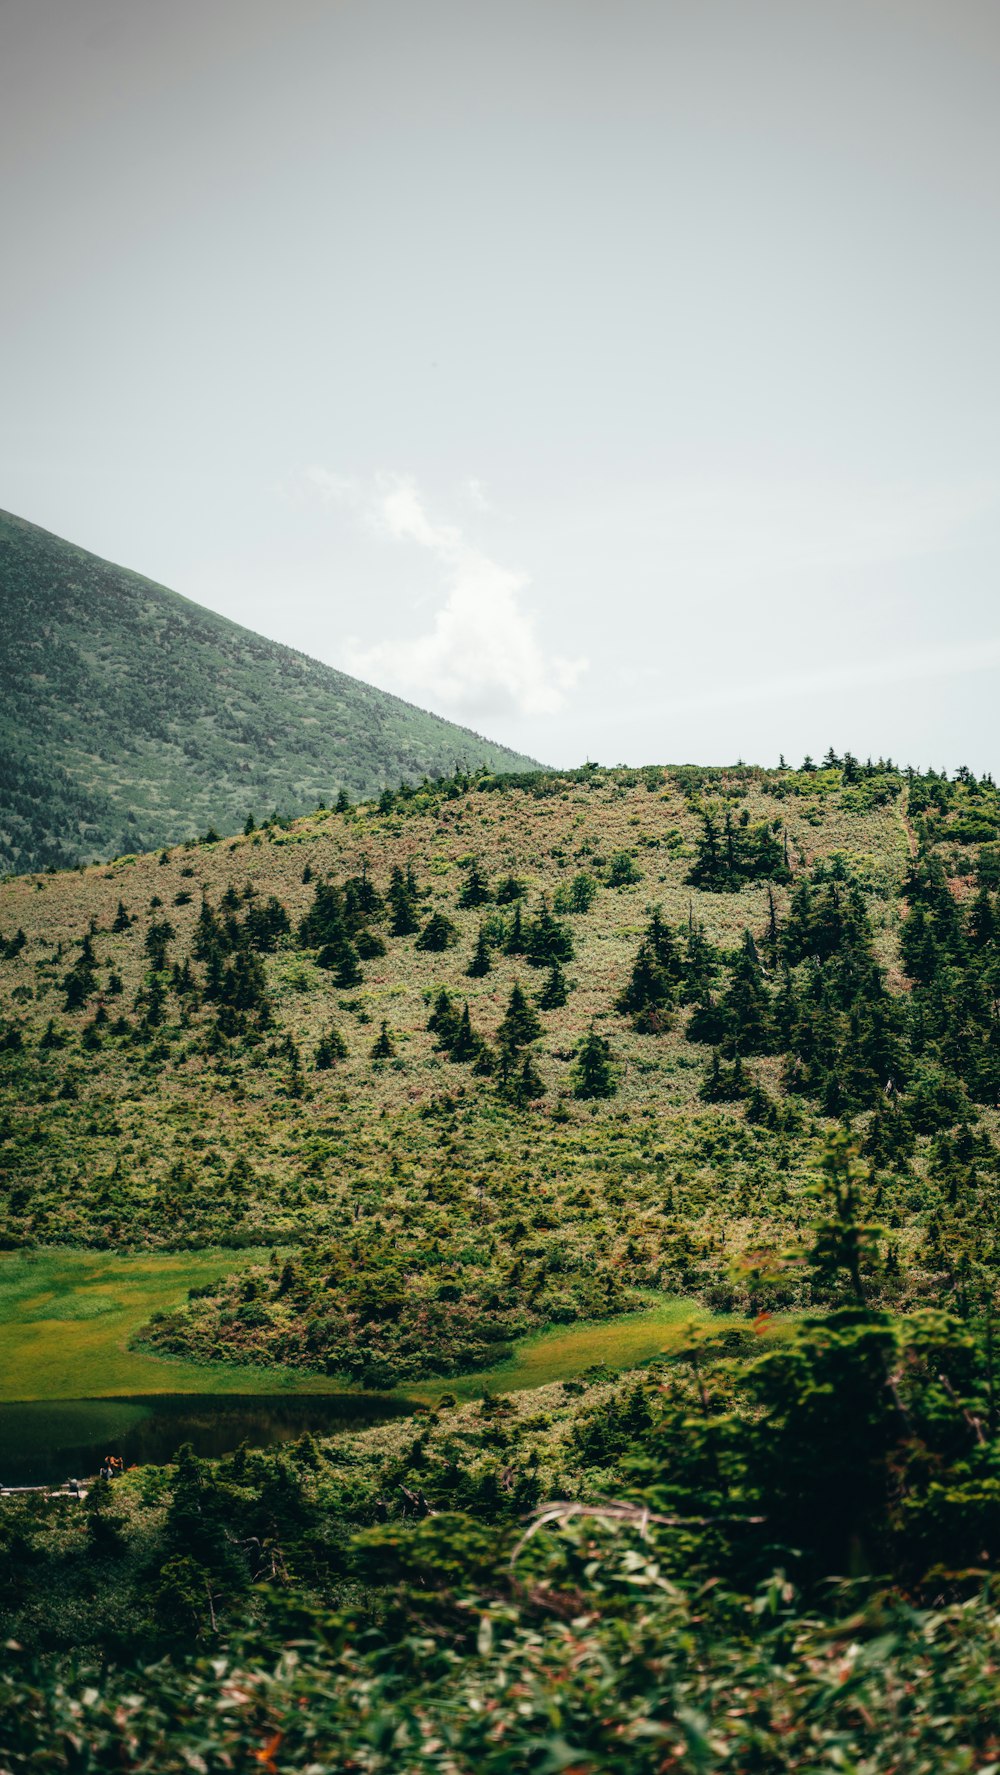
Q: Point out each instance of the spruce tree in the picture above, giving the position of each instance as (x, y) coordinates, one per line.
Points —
(403, 900)
(331, 1048)
(521, 1023)
(746, 1004)
(514, 941)
(369, 945)
(384, 1047)
(554, 992)
(546, 940)
(592, 1074)
(648, 997)
(476, 887)
(443, 1020)
(341, 959)
(438, 933)
(482, 961)
(526, 1084)
(464, 1046)
(510, 891)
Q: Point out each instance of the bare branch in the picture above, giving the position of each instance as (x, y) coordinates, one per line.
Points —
(611, 1511)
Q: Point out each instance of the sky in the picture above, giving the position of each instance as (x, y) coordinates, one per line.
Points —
(617, 377)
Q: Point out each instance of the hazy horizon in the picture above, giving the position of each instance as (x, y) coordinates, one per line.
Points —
(619, 382)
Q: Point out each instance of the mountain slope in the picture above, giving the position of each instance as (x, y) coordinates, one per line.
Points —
(245, 1043)
(131, 717)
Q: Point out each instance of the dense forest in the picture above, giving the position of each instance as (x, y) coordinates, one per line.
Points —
(131, 717)
(483, 1056)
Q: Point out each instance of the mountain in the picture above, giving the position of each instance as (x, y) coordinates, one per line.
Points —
(131, 717)
(505, 1053)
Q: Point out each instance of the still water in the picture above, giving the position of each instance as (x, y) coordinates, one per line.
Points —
(46, 1441)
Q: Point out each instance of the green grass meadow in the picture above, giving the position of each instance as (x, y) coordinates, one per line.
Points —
(66, 1318)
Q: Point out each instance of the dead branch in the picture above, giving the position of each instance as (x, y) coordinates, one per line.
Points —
(611, 1511)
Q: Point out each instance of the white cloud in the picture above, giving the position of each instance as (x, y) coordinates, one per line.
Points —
(481, 655)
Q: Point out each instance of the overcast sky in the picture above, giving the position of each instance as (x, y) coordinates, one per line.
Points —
(618, 378)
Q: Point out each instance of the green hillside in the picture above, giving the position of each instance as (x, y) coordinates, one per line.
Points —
(499, 1087)
(509, 1052)
(131, 717)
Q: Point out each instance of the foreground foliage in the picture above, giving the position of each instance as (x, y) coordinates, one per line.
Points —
(795, 1573)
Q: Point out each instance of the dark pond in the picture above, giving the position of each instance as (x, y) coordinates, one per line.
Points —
(47, 1441)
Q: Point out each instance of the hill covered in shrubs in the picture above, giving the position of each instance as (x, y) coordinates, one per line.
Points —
(506, 1052)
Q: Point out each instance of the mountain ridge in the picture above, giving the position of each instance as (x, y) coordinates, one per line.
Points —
(133, 717)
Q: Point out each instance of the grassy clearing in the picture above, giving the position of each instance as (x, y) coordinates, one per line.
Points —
(566, 1351)
(66, 1318)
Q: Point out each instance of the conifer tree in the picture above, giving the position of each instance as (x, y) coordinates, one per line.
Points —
(403, 900)
(526, 1083)
(438, 933)
(592, 1074)
(510, 891)
(369, 945)
(476, 887)
(384, 1047)
(443, 1020)
(331, 1048)
(464, 1045)
(983, 923)
(746, 1004)
(341, 959)
(554, 991)
(547, 940)
(514, 941)
(520, 1024)
(482, 961)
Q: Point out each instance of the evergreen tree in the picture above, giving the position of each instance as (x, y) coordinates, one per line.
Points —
(521, 1023)
(746, 1004)
(724, 1084)
(369, 945)
(443, 1020)
(384, 1047)
(554, 991)
(158, 936)
(341, 959)
(482, 961)
(510, 891)
(592, 1074)
(465, 1044)
(514, 940)
(438, 933)
(475, 888)
(331, 1048)
(547, 940)
(525, 1084)
(403, 900)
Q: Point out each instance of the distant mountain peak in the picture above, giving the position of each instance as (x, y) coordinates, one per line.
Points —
(131, 717)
